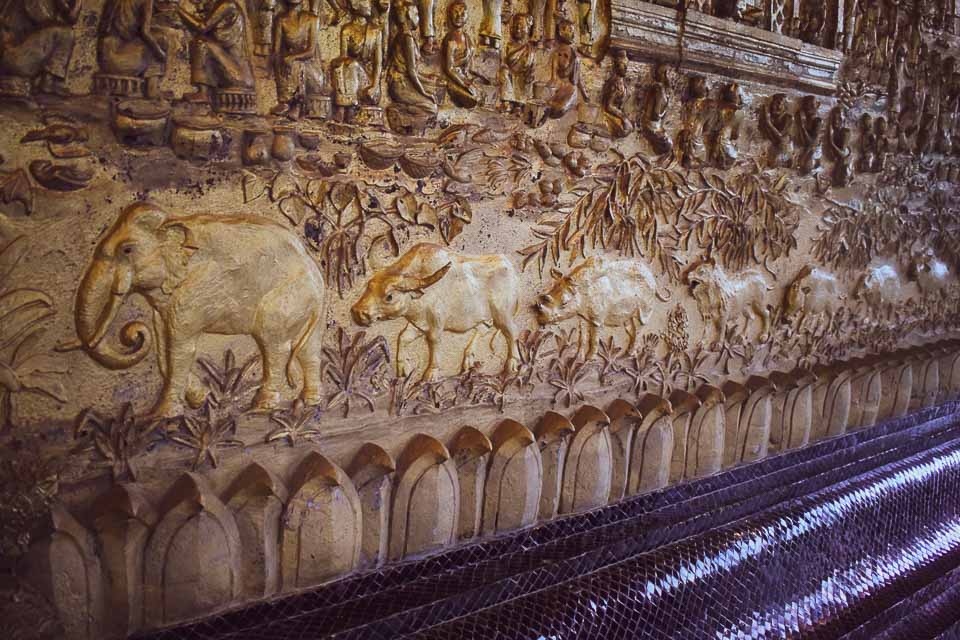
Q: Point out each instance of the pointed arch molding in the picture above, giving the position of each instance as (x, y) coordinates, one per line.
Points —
(257, 498)
(192, 561)
(426, 503)
(471, 453)
(321, 534)
(372, 471)
(587, 476)
(514, 481)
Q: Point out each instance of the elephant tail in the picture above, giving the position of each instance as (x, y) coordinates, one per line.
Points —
(302, 340)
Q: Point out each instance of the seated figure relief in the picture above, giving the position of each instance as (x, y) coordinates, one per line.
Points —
(296, 56)
(566, 83)
(129, 47)
(458, 51)
(221, 54)
(656, 103)
(615, 98)
(357, 72)
(36, 45)
(414, 106)
(775, 123)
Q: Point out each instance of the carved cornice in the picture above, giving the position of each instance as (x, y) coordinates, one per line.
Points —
(722, 46)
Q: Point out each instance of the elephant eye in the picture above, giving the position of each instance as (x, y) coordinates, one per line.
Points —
(389, 297)
(127, 250)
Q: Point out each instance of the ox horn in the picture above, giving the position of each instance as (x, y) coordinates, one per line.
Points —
(411, 283)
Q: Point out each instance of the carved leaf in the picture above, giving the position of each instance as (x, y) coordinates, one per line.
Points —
(406, 205)
(283, 185)
(427, 215)
(294, 208)
(253, 186)
(16, 187)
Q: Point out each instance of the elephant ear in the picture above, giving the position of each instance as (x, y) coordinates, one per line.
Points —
(179, 246)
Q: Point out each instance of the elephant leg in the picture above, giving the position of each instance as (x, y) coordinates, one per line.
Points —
(275, 357)
(311, 361)
(180, 358)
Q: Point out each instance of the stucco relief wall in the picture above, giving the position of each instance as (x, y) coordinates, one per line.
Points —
(280, 278)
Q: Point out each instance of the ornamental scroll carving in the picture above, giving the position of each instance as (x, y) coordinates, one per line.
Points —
(415, 273)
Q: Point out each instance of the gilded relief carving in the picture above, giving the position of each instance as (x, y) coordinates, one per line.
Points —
(173, 262)
(427, 243)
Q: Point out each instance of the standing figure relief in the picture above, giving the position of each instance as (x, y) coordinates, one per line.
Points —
(129, 47)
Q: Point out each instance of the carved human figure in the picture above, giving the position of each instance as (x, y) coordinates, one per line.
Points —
(296, 56)
(221, 56)
(404, 82)
(544, 14)
(868, 145)
(588, 24)
(775, 123)
(426, 23)
(808, 127)
(458, 57)
(895, 78)
(656, 102)
(36, 42)
(516, 71)
(192, 271)
(690, 148)
(437, 291)
(947, 107)
(839, 144)
(566, 82)
(127, 45)
(725, 130)
(264, 13)
(614, 98)
(491, 32)
(813, 15)
(882, 137)
(908, 120)
(357, 72)
(925, 130)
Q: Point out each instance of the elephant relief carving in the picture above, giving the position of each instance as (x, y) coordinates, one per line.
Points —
(205, 274)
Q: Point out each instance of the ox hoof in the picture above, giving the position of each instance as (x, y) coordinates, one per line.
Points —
(196, 397)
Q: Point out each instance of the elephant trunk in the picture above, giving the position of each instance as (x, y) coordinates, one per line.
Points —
(101, 293)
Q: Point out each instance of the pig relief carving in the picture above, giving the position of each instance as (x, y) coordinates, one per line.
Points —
(603, 292)
(437, 290)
